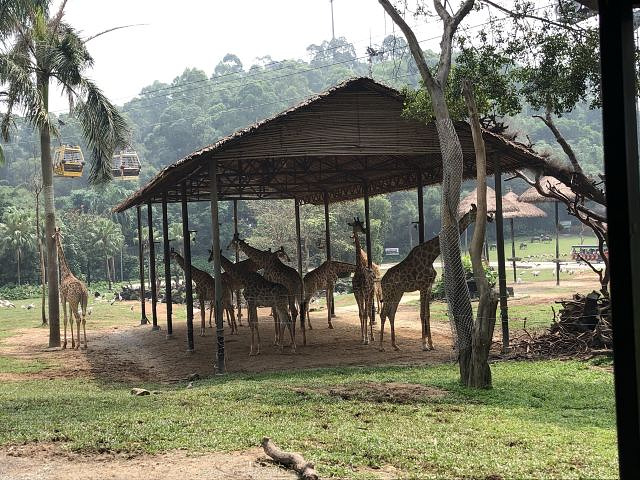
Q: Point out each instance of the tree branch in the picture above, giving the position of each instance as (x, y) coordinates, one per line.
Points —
(548, 121)
(450, 26)
(414, 46)
(114, 28)
(518, 15)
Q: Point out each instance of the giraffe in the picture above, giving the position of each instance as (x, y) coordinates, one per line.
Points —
(74, 292)
(278, 272)
(260, 292)
(235, 283)
(377, 288)
(363, 284)
(325, 276)
(205, 289)
(415, 272)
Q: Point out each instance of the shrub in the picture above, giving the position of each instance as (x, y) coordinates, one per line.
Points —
(20, 292)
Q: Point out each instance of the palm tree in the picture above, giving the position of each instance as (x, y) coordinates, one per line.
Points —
(108, 239)
(16, 233)
(40, 48)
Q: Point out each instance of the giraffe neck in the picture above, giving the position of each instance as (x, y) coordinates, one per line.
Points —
(62, 260)
(196, 274)
(253, 253)
(237, 273)
(467, 219)
(342, 267)
(432, 247)
(360, 261)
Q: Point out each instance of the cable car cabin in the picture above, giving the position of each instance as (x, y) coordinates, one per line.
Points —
(125, 165)
(587, 252)
(68, 161)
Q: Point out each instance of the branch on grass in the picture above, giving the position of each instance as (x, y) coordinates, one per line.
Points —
(288, 459)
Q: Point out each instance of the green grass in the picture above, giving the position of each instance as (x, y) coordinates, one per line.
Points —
(16, 365)
(544, 251)
(541, 419)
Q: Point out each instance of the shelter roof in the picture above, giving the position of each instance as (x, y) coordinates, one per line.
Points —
(472, 198)
(337, 143)
(525, 209)
(532, 195)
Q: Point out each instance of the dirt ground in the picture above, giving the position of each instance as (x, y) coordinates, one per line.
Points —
(137, 354)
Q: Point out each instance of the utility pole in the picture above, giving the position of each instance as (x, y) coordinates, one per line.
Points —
(333, 31)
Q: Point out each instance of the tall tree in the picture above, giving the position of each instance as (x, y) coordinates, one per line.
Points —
(43, 48)
(456, 289)
(107, 239)
(16, 233)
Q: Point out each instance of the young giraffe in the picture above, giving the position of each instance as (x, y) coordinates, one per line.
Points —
(260, 292)
(325, 276)
(235, 283)
(377, 288)
(74, 292)
(415, 272)
(205, 289)
(363, 285)
(277, 272)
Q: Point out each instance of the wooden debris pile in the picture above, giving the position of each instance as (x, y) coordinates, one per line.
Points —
(582, 327)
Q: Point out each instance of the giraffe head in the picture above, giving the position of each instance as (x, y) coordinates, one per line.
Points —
(173, 254)
(357, 227)
(57, 235)
(282, 255)
(234, 243)
(210, 259)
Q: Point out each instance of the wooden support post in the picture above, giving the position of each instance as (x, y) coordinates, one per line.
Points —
(367, 221)
(617, 57)
(557, 245)
(502, 273)
(167, 266)
(513, 252)
(303, 307)
(143, 318)
(186, 235)
(152, 269)
(235, 231)
(420, 209)
(331, 309)
(217, 269)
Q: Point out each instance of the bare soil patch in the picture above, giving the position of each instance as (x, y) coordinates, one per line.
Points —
(388, 392)
(51, 462)
(137, 354)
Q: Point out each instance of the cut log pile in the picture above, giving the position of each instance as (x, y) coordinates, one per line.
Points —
(582, 327)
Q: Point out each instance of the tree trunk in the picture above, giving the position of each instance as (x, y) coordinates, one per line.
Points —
(18, 263)
(478, 372)
(108, 272)
(50, 221)
(38, 189)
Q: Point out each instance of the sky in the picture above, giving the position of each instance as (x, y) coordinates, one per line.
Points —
(198, 33)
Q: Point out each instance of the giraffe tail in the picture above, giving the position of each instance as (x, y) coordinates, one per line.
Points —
(83, 303)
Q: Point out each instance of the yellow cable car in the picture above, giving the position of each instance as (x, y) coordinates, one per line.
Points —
(68, 161)
(125, 165)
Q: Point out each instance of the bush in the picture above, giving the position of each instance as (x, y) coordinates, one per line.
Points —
(20, 292)
(492, 277)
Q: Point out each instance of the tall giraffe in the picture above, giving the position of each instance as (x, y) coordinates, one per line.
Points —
(277, 272)
(260, 292)
(206, 291)
(235, 283)
(415, 272)
(324, 277)
(363, 284)
(74, 292)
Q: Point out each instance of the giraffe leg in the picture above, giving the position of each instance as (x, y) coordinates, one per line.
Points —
(276, 324)
(255, 326)
(210, 314)
(372, 317)
(393, 308)
(290, 326)
(84, 319)
(425, 318)
(383, 318)
(307, 301)
(76, 315)
(250, 319)
(329, 297)
(64, 308)
(203, 315)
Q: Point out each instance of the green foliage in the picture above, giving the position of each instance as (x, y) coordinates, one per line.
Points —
(19, 292)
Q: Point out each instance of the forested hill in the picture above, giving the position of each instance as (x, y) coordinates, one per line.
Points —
(171, 120)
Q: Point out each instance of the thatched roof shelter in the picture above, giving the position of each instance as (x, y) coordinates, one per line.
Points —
(340, 143)
(472, 198)
(532, 195)
(524, 209)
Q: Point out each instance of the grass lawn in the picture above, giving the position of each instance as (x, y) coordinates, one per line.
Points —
(541, 419)
(544, 251)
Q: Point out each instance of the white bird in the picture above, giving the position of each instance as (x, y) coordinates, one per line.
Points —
(535, 273)
(89, 310)
(30, 306)
(131, 308)
(119, 297)
(519, 280)
(112, 301)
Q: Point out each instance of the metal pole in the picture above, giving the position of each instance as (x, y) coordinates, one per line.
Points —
(513, 252)
(217, 269)
(557, 246)
(420, 209)
(167, 266)
(186, 235)
(143, 318)
(235, 231)
(617, 57)
(502, 274)
(368, 240)
(303, 307)
(152, 269)
(331, 310)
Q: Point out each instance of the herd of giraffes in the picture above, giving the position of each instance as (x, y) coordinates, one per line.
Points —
(281, 288)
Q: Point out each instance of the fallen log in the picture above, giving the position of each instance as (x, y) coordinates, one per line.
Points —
(288, 459)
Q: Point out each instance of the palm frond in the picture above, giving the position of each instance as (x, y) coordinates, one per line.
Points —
(16, 12)
(104, 128)
(108, 30)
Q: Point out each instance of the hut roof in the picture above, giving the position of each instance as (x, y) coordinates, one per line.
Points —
(340, 142)
(532, 195)
(525, 210)
(472, 198)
